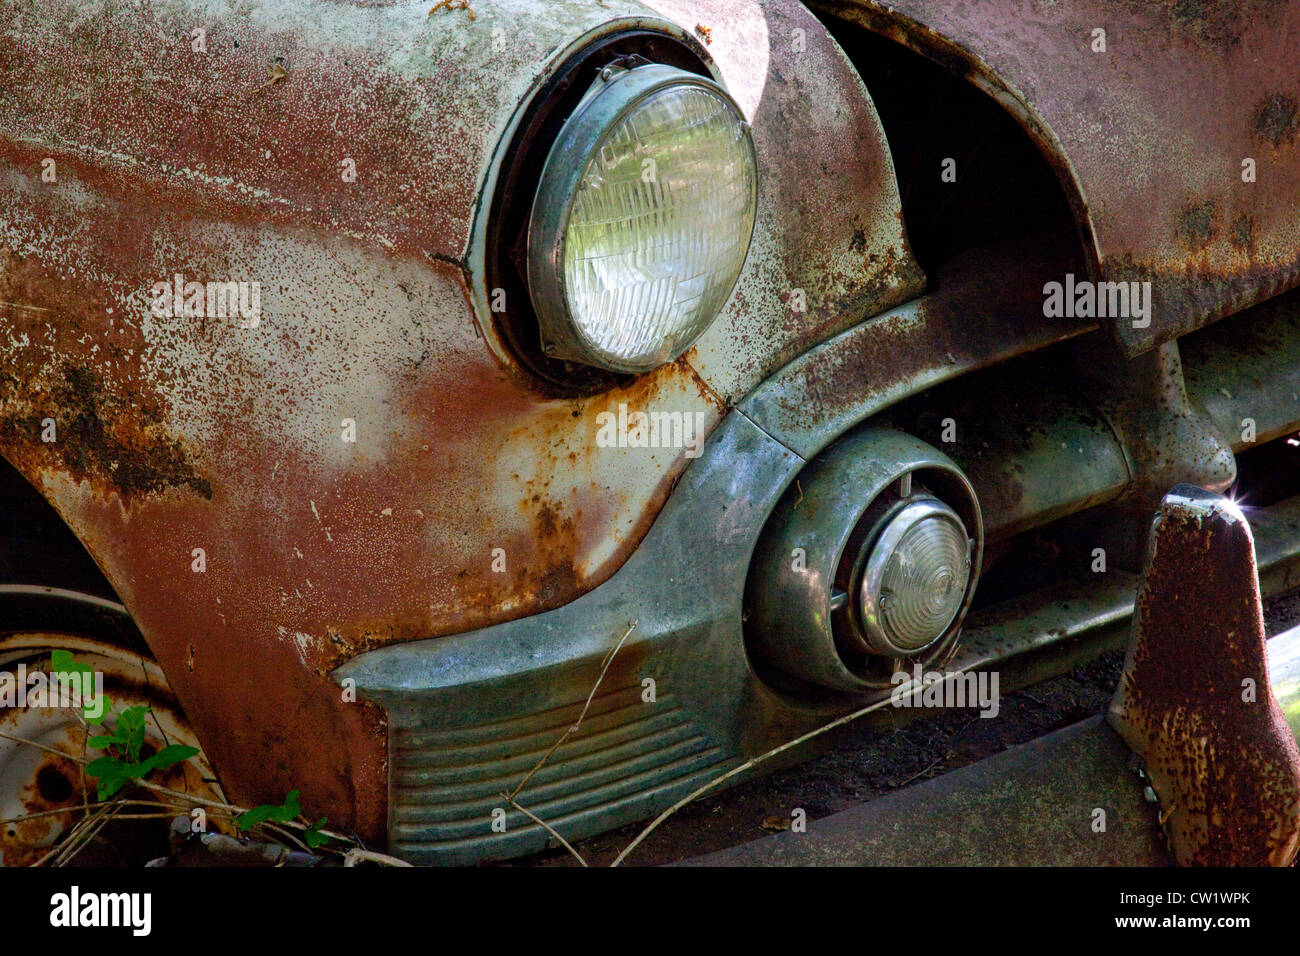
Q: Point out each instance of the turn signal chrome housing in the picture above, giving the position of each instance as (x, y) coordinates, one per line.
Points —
(867, 565)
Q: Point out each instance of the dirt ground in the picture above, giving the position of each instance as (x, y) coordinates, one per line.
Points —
(869, 764)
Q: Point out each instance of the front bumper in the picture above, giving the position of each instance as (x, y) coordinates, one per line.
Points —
(681, 703)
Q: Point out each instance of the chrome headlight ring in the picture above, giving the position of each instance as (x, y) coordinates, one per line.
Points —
(626, 271)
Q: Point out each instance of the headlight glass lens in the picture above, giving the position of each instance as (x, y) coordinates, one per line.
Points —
(924, 582)
(658, 226)
(917, 576)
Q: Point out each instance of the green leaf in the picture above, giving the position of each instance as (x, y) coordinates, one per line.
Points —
(259, 814)
(97, 768)
(110, 773)
(169, 755)
(285, 812)
(63, 662)
(129, 732)
(313, 837)
(102, 741)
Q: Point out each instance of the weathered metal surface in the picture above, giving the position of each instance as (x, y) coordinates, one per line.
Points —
(1031, 445)
(1149, 136)
(1013, 809)
(985, 310)
(795, 626)
(1195, 701)
(1166, 437)
(521, 679)
(178, 433)
(499, 692)
(1245, 372)
(1044, 633)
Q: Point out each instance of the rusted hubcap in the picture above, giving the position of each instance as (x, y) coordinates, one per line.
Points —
(42, 776)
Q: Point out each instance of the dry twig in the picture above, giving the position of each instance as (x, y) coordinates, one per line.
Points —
(761, 758)
(357, 855)
(510, 797)
(545, 826)
(604, 667)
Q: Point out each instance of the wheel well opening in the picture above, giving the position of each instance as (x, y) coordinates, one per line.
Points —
(968, 173)
(38, 550)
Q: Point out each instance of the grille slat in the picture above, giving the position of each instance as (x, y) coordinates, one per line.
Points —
(521, 747)
(431, 834)
(554, 719)
(570, 759)
(626, 755)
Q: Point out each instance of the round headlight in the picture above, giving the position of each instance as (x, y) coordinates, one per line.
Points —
(915, 578)
(642, 219)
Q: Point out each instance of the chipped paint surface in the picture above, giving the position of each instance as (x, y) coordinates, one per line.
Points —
(1149, 136)
(177, 433)
(986, 309)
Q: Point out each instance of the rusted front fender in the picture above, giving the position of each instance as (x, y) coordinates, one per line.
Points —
(218, 142)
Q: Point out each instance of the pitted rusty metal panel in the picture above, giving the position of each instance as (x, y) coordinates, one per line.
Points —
(1149, 136)
(417, 100)
(316, 548)
(176, 433)
(829, 246)
(985, 310)
(1195, 701)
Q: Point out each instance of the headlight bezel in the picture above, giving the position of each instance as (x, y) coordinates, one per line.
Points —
(508, 309)
(619, 91)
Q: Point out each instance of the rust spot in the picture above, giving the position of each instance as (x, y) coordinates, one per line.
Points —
(1216, 24)
(1242, 232)
(1196, 224)
(100, 440)
(705, 33)
(452, 5)
(276, 72)
(53, 785)
(556, 582)
(1276, 118)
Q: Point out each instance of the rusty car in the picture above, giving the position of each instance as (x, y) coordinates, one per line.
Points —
(494, 422)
